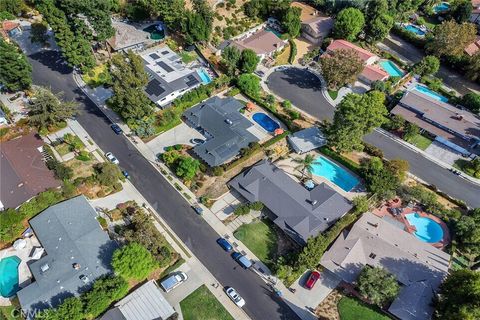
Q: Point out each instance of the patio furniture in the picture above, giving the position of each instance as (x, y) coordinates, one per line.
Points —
(20, 244)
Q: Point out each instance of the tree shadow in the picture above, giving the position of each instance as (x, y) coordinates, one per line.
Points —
(53, 60)
(105, 253)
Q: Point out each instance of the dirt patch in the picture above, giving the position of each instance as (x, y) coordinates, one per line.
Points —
(81, 169)
(308, 12)
(327, 310)
(303, 46)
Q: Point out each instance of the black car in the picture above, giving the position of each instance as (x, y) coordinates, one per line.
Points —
(116, 129)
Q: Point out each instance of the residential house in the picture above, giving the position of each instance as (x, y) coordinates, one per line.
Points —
(77, 251)
(226, 129)
(371, 71)
(418, 266)
(299, 212)
(12, 28)
(473, 48)
(23, 170)
(263, 42)
(457, 129)
(145, 303)
(127, 37)
(169, 77)
(307, 139)
(317, 29)
(475, 16)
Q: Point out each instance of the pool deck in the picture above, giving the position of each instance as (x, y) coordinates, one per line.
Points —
(24, 275)
(385, 210)
(288, 165)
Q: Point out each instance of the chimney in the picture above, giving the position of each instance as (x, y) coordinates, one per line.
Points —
(44, 267)
(458, 116)
(76, 266)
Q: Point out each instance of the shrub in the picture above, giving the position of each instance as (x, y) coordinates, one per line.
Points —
(256, 206)
(218, 171)
(233, 92)
(241, 210)
(61, 171)
(83, 156)
(133, 261)
(117, 186)
(372, 150)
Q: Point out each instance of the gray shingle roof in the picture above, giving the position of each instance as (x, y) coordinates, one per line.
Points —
(307, 139)
(70, 234)
(145, 303)
(225, 127)
(299, 212)
(418, 266)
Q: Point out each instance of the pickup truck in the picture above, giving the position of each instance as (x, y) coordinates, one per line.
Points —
(173, 281)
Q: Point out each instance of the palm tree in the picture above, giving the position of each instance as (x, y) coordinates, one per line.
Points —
(305, 165)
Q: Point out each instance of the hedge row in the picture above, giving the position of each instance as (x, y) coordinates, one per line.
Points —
(409, 36)
(293, 51)
(338, 157)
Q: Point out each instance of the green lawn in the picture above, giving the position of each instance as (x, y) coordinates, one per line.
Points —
(201, 304)
(98, 76)
(188, 57)
(260, 238)
(420, 141)
(354, 309)
(465, 166)
(333, 94)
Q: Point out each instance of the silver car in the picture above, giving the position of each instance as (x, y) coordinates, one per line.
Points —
(235, 297)
(110, 157)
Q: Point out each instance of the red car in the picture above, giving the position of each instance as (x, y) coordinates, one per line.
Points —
(312, 279)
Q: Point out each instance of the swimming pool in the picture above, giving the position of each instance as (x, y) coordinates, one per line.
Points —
(334, 173)
(431, 93)
(9, 276)
(441, 7)
(427, 230)
(414, 29)
(391, 68)
(265, 121)
(157, 31)
(204, 76)
(275, 32)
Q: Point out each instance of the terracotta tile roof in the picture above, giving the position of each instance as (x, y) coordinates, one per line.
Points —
(23, 171)
(343, 44)
(261, 42)
(9, 25)
(374, 73)
(473, 47)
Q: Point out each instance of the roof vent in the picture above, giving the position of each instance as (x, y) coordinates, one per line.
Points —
(229, 121)
(44, 267)
(76, 266)
(325, 218)
(458, 116)
(314, 202)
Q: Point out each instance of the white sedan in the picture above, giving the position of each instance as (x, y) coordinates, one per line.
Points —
(235, 297)
(111, 158)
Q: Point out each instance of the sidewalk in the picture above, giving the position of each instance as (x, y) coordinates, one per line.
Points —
(292, 300)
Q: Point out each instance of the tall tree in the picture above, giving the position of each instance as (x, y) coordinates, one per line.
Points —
(15, 70)
(471, 101)
(473, 67)
(199, 22)
(249, 84)
(460, 296)
(47, 109)
(230, 58)
(429, 65)
(133, 261)
(451, 38)
(129, 79)
(248, 61)
(291, 21)
(461, 10)
(13, 7)
(378, 285)
(38, 32)
(341, 67)
(305, 165)
(356, 116)
(379, 28)
(467, 230)
(348, 24)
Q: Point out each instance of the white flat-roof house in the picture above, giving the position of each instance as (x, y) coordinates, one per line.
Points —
(169, 77)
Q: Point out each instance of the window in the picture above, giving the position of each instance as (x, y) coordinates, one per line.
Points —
(372, 255)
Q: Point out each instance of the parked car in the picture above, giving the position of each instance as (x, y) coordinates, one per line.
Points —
(196, 141)
(242, 260)
(197, 209)
(222, 242)
(173, 281)
(116, 128)
(110, 157)
(312, 279)
(125, 174)
(235, 297)
(259, 73)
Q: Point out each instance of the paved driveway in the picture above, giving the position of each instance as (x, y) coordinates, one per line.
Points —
(303, 89)
(181, 134)
(312, 298)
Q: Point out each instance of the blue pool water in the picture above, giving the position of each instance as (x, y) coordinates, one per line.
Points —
(278, 34)
(391, 68)
(427, 229)
(265, 121)
(204, 76)
(334, 173)
(430, 93)
(414, 29)
(9, 276)
(441, 7)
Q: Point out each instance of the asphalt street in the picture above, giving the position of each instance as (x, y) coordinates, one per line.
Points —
(303, 90)
(50, 70)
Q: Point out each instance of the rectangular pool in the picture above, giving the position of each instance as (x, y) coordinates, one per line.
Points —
(391, 68)
(430, 93)
(204, 76)
(334, 173)
(415, 29)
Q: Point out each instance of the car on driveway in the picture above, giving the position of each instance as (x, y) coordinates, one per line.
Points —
(110, 157)
(222, 242)
(235, 297)
(260, 73)
(197, 141)
(116, 128)
(173, 281)
(312, 279)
